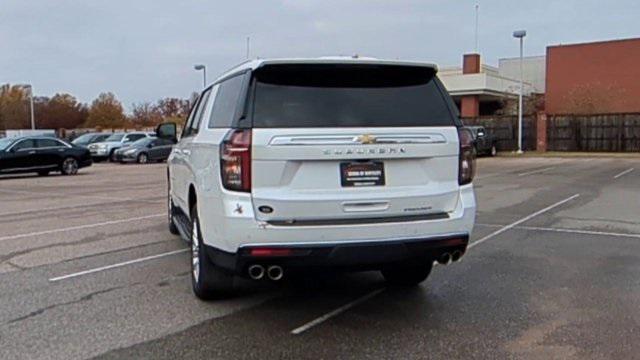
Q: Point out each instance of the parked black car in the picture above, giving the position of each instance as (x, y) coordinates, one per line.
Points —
(41, 155)
(486, 143)
(144, 151)
(90, 138)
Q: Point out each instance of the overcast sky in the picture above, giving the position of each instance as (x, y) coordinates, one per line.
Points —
(145, 49)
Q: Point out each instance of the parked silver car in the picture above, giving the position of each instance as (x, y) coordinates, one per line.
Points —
(104, 150)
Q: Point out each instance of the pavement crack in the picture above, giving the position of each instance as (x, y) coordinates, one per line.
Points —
(6, 258)
(50, 307)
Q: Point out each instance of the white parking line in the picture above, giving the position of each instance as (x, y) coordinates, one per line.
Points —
(570, 231)
(516, 223)
(340, 310)
(77, 195)
(623, 173)
(536, 171)
(79, 227)
(108, 267)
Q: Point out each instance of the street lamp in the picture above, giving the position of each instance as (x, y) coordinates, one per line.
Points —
(520, 34)
(33, 120)
(204, 73)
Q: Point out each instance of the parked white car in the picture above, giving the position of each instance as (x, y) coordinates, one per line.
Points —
(340, 163)
(105, 150)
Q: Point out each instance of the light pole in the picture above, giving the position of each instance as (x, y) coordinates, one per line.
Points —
(33, 120)
(204, 73)
(520, 34)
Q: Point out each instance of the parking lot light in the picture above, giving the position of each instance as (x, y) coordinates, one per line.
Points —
(199, 67)
(520, 34)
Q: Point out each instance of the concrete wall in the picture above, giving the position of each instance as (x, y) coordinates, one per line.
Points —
(533, 67)
(593, 78)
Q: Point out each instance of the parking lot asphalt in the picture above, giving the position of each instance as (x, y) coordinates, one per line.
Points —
(88, 268)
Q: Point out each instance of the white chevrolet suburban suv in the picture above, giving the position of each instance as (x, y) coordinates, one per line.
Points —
(341, 163)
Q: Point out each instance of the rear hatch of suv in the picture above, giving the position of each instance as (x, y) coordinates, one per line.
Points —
(336, 144)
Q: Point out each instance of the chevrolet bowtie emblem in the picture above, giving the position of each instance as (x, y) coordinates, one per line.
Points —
(365, 139)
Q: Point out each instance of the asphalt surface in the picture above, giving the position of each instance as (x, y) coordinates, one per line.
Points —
(88, 268)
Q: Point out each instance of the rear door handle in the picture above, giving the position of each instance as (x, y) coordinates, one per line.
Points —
(32, 152)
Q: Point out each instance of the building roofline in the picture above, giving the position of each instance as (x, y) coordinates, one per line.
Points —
(526, 57)
(594, 42)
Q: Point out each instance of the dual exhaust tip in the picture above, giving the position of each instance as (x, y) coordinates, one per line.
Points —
(446, 258)
(258, 272)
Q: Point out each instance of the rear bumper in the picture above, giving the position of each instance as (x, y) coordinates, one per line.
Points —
(360, 255)
(235, 226)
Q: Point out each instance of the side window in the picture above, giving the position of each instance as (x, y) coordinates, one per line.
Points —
(46, 143)
(25, 144)
(134, 137)
(197, 118)
(186, 131)
(227, 99)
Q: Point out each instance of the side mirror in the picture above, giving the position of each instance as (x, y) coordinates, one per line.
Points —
(167, 131)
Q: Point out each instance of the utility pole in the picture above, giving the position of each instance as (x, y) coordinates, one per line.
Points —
(520, 34)
(477, 26)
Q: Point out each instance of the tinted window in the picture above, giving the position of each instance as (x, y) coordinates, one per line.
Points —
(227, 99)
(348, 96)
(25, 144)
(43, 143)
(186, 131)
(134, 137)
(197, 118)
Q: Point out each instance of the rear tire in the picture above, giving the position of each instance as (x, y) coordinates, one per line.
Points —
(208, 281)
(143, 158)
(407, 275)
(69, 166)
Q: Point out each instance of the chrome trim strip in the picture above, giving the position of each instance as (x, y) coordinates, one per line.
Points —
(310, 140)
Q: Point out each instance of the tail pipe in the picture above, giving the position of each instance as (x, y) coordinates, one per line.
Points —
(456, 255)
(256, 272)
(275, 272)
(444, 258)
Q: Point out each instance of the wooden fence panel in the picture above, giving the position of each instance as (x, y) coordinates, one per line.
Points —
(505, 129)
(610, 133)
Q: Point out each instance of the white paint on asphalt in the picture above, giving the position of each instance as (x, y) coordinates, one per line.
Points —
(536, 171)
(368, 296)
(338, 311)
(570, 231)
(524, 219)
(624, 173)
(48, 194)
(79, 227)
(113, 266)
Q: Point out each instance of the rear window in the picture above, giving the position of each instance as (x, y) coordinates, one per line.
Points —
(348, 96)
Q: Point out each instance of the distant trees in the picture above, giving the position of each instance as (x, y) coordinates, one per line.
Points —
(106, 111)
(60, 111)
(14, 107)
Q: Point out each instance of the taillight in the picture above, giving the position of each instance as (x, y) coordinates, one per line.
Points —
(235, 160)
(467, 168)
